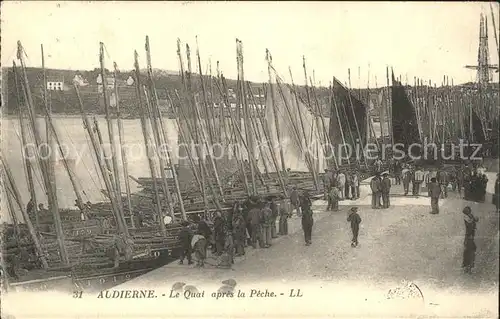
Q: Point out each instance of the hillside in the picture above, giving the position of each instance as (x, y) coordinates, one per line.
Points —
(166, 82)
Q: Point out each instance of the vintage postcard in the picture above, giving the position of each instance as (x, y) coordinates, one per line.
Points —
(249, 159)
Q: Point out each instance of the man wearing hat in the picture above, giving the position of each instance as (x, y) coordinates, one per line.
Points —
(185, 237)
(386, 188)
(355, 221)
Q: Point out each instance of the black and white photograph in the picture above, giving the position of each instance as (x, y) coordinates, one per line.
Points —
(246, 159)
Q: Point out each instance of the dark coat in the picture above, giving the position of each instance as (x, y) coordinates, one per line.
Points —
(386, 185)
(355, 220)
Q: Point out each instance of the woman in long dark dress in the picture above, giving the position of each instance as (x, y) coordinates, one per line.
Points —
(307, 217)
(469, 244)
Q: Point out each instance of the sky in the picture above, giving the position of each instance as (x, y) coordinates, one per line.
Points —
(427, 40)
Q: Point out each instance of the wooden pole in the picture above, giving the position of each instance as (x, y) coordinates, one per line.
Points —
(269, 59)
(111, 135)
(246, 113)
(50, 147)
(29, 168)
(104, 172)
(122, 148)
(51, 196)
(11, 185)
(152, 166)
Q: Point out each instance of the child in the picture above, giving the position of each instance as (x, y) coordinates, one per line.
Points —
(355, 221)
(199, 244)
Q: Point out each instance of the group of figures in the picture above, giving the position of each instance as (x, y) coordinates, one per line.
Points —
(250, 223)
(340, 185)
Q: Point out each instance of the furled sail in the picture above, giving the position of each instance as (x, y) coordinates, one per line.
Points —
(404, 118)
(348, 117)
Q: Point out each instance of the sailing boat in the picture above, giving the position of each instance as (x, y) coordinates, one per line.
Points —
(75, 246)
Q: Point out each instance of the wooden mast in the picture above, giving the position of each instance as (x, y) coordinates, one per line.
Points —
(10, 186)
(50, 147)
(246, 113)
(354, 115)
(122, 147)
(149, 152)
(269, 59)
(51, 196)
(104, 172)
(116, 174)
(151, 101)
(209, 125)
(27, 163)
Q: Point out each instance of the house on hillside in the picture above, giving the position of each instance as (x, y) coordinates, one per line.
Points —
(55, 83)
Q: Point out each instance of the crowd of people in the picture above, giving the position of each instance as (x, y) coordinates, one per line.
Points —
(254, 222)
(340, 185)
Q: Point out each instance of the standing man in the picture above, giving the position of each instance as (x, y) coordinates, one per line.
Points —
(327, 181)
(348, 182)
(283, 226)
(469, 244)
(418, 178)
(443, 181)
(219, 233)
(239, 231)
(341, 179)
(355, 185)
(432, 174)
(397, 172)
(185, 237)
(355, 221)
(307, 217)
(274, 209)
(266, 220)
(406, 174)
(435, 191)
(376, 191)
(295, 201)
(386, 188)
(254, 219)
(460, 180)
(333, 199)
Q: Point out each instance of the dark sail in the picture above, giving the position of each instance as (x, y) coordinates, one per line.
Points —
(404, 118)
(477, 135)
(348, 120)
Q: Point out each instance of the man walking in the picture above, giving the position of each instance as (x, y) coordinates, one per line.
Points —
(435, 191)
(307, 217)
(355, 221)
(386, 188)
